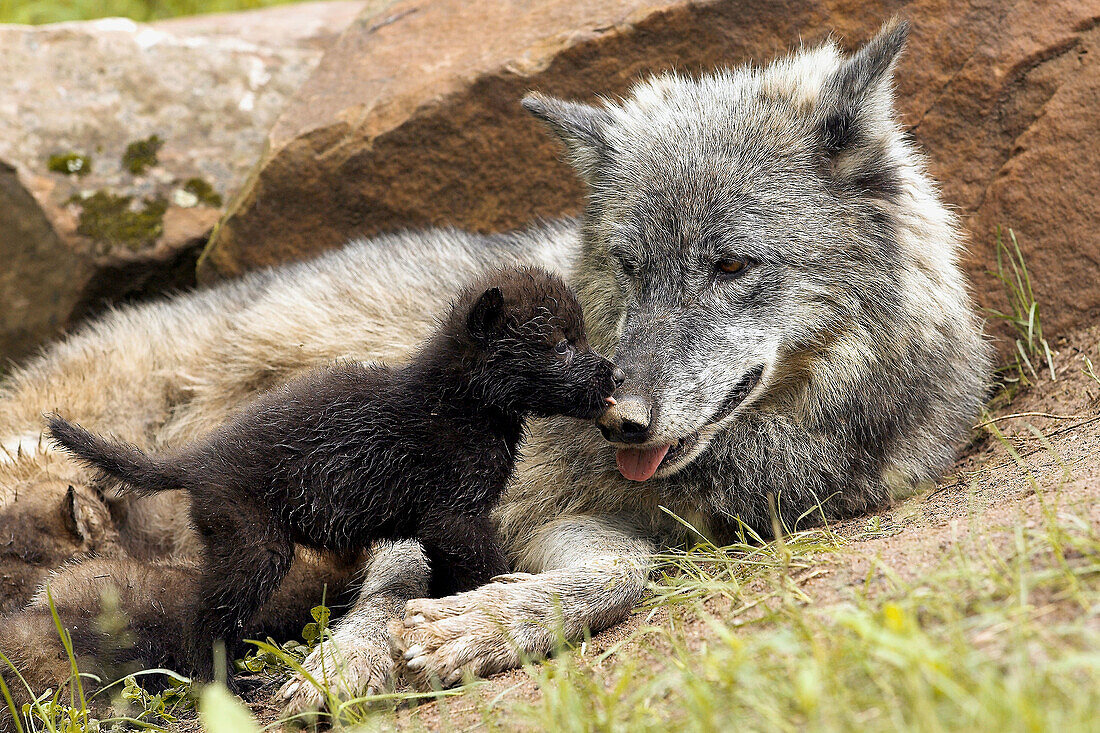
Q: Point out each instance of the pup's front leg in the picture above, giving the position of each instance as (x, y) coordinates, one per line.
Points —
(462, 551)
(595, 571)
(357, 660)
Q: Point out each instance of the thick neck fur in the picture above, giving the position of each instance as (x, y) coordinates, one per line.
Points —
(454, 377)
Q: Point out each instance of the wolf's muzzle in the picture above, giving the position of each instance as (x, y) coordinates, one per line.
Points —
(627, 421)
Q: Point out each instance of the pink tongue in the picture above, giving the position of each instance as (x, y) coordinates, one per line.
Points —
(639, 464)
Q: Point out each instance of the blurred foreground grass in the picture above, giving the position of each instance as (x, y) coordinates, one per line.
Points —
(55, 11)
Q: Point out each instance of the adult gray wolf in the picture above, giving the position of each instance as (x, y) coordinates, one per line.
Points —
(763, 252)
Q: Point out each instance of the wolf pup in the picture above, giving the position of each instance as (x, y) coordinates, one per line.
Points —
(349, 454)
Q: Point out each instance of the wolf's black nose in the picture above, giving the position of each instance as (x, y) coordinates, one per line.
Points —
(634, 432)
(618, 377)
(627, 421)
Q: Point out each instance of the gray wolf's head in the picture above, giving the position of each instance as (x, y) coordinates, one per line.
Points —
(742, 224)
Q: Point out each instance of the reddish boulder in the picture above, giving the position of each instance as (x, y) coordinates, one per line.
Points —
(413, 116)
(413, 119)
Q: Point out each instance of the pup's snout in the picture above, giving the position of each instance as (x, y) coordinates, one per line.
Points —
(627, 421)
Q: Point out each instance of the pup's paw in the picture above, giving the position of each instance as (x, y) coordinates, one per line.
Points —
(350, 668)
(476, 633)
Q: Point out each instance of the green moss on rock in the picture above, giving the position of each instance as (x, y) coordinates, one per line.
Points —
(70, 164)
(141, 155)
(203, 191)
(112, 220)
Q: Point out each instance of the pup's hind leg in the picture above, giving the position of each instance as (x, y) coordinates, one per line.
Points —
(463, 553)
(245, 563)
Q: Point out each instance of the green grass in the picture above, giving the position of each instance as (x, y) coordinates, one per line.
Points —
(1004, 636)
(54, 11)
(913, 663)
(707, 571)
(1022, 314)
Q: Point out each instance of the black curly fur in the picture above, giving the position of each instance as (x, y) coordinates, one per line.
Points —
(350, 454)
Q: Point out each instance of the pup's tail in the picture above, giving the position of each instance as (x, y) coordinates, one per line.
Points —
(143, 473)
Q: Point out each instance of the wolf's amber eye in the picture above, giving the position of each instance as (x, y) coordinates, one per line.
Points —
(728, 267)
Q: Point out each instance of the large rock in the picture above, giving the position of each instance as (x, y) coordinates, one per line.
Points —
(412, 118)
(83, 223)
(1034, 162)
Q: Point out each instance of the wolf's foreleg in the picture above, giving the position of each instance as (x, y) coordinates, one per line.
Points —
(594, 570)
(356, 660)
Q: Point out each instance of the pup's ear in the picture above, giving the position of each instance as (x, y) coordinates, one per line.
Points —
(856, 108)
(487, 315)
(581, 127)
(72, 514)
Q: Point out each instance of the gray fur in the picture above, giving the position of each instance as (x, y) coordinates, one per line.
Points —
(357, 659)
(873, 363)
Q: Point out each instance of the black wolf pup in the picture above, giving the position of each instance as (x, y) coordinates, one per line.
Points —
(349, 454)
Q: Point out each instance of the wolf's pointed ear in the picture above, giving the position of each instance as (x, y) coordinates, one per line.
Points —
(487, 315)
(860, 91)
(580, 126)
(72, 514)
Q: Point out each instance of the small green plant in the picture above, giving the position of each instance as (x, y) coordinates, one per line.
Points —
(70, 164)
(258, 661)
(114, 220)
(1023, 310)
(284, 659)
(141, 155)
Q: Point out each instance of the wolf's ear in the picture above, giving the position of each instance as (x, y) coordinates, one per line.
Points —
(580, 126)
(487, 315)
(72, 514)
(859, 93)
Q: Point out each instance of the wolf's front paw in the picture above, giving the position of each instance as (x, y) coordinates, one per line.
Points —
(348, 668)
(476, 633)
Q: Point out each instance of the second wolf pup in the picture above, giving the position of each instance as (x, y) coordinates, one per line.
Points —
(349, 454)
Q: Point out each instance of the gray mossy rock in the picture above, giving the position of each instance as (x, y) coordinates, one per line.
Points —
(413, 119)
(120, 142)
